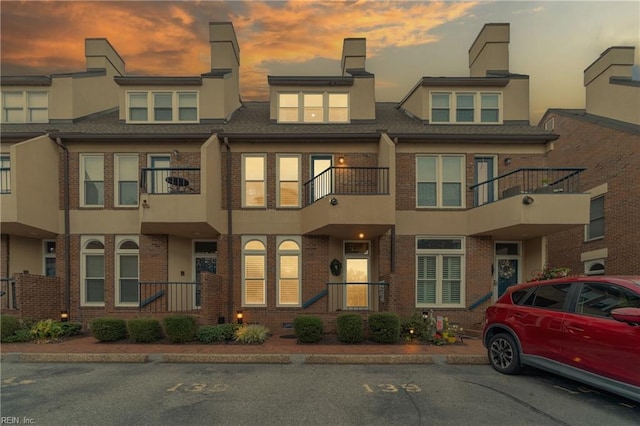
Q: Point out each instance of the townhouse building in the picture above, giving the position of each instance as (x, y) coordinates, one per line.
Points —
(605, 138)
(172, 195)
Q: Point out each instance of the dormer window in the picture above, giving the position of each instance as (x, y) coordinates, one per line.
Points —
(465, 107)
(313, 107)
(162, 107)
(25, 107)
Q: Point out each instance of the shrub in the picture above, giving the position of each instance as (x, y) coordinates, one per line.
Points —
(421, 328)
(46, 330)
(21, 335)
(70, 328)
(180, 328)
(8, 326)
(228, 331)
(253, 333)
(108, 329)
(308, 329)
(384, 327)
(144, 330)
(350, 328)
(210, 334)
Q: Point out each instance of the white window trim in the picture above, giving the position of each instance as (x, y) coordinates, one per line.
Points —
(325, 107)
(264, 180)
(116, 180)
(25, 108)
(477, 114)
(82, 181)
(298, 241)
(84, 239)
(118, 241)
(244, 240)
(299, 158)
(439, 181)
(175, 110)
(439, 254)
(589, 264)
(587, 238)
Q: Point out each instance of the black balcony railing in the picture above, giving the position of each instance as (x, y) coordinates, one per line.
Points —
(561, 180)
(5, 180)
(164, 297)
(170, 180)
(355, 296)
(347, 181)
(8, 293)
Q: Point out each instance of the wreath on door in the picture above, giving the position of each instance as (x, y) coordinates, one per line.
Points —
(336, 267)
(505, 270)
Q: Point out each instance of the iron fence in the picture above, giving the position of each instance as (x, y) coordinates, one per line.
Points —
(347, 181)
(170, 180)
(165, 297)
(8, 293)
(356, 296)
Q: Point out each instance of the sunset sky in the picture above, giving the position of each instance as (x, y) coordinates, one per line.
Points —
(553, 42)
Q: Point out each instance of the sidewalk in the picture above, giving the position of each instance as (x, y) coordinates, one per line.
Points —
(277, 349)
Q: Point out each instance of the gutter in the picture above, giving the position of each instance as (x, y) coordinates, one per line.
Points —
(67, 235)
(229, 232)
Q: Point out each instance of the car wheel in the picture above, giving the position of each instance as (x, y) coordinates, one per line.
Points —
(503, 354)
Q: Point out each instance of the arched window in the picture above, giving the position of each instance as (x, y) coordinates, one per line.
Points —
(254, 259)
(127, 271)
(594, 267)
(92, 270)
(288, 270)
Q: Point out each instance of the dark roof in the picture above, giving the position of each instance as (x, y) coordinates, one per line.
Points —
(625, 81)
(252, 121)
(309, 81)
(157, 81)
(582, 115)
(25, 80)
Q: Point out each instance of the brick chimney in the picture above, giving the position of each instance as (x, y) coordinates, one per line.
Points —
(490, 50)
(354, 54)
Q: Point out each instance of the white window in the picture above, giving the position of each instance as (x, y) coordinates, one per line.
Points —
(595, 228)
(439, 181)
(254, 271)
(288, 271)
(49, 256)
(5, 174)
(254, 180)
(162, 107)
(25, 107)
(319, 107)
(469, 107)
(91, 180)
(594, 267)
(127, 271)
(439, 272)
(126, 178)
(288, 181)
(92, 271)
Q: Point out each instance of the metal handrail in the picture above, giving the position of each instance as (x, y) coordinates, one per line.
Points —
(347, 181)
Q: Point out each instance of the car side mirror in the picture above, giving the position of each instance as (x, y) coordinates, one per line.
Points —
(629, 315)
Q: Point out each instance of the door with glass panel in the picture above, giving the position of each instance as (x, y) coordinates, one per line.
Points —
(323, 185)
(157, 180)
(205, 259)
(484, 170)
(507, 266)
(356, 295)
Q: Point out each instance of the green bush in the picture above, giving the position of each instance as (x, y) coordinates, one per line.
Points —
(420, 327)
(70, 328)
(21, 335)
(46, 331)
(144, 330)
(108, 329)
(308, 329)
(350, 328)
(253, 333)
(210, 334)
(8, 326)
(384, 327)
(180, 328)
(228, 331)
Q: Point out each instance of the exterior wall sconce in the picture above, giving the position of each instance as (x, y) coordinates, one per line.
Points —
(239, 317)
(175, 153)
(145, 204)
(64, 316)
(361, 235)
(341, 160)
(334, 201)
(507, 161)
(527, 200)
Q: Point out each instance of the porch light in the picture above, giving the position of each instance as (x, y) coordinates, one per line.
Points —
(507, 161)
(361, 235)
(239, 317)
(176, 153)
(341, 160)
(527, 200)
(64, 316)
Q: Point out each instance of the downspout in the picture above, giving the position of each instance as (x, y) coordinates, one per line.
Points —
(229, 232)
(67, 236)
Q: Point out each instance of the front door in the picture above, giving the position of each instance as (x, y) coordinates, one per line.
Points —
(507, 266)
(357, 267)
(205, 258)
(484, 170)
(157, 181)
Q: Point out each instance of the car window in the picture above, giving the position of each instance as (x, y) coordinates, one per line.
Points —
(548, 296)
(600, 299)
(517, 296)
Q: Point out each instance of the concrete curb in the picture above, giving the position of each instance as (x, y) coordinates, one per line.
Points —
(70, 358)
(226, 359)
(467, 359)
(369, 359)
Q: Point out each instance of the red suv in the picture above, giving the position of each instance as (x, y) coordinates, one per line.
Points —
(583, 328)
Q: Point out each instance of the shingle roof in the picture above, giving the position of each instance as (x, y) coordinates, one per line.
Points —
(252, 120)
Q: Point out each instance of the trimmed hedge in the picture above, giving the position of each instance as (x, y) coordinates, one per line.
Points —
(144, 330)
(210, 334)
(384, 327)
(108, 329)
(180, 328)
(350, 328)
(308, 329)
(8, 326)
(70, 328)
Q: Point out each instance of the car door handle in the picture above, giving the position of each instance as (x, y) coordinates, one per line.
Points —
(574, 329)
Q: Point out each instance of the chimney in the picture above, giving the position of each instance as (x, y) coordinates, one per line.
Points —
(616, 61)
(490, 50)
(354, 54)
(225, 52)
(101, 55)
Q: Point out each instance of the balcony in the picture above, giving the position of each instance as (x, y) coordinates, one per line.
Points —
(528, 203)
(346, 201)
(172, 201)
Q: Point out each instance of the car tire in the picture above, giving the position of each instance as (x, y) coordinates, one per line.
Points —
(503, 354)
